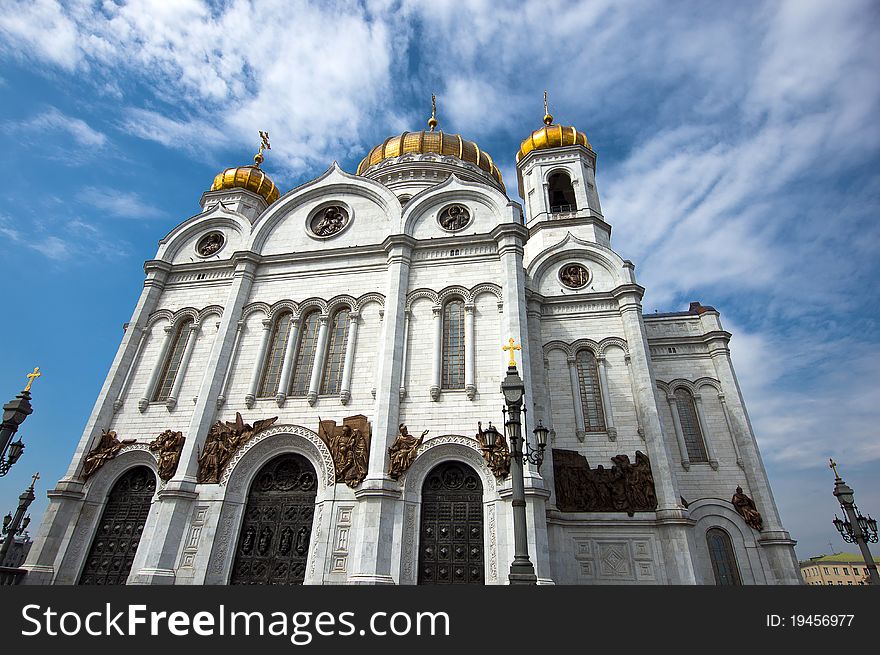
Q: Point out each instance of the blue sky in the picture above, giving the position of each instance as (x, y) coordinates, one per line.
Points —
(738, 165)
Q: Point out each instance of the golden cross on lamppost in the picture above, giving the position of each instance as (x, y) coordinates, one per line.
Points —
(833, 467)
(511, 348)
(31, 377)
(34, 478)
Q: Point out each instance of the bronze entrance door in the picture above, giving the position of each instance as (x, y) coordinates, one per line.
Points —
(273, 544)
(451, 530)
(119, 530)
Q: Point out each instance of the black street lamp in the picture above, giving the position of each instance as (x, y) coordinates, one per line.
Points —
(15, 525)
(14, 414)
(855, 528)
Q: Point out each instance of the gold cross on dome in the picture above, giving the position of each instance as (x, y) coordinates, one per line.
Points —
(31, 377)
(511, 348)
(264, 138)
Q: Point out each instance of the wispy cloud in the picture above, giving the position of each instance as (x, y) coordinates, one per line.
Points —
(54, 120)
(124, 204)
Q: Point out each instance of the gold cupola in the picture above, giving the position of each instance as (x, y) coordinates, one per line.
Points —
(551, 136)
(429, 141)
(251, 178)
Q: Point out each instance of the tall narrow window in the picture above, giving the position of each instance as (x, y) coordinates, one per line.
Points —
(690, 426)
(723, 559)
(274, 357)
(591, 395)
(305, 357)
(453, 345)
(172, 361)
(561, 193)
(335, 352)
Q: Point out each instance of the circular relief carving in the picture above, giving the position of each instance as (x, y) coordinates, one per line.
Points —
(574, 276)
(210, 244)
(454, 217)
(329, 221)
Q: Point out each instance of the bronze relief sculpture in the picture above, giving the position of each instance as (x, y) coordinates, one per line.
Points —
(222, 442)
(210, 244)
(349, 445)
(498, 457)
(574, 276)
(108, 447)
(168, 445)
(329, 221)
(625, 487)
(747, 509)
(403, 452)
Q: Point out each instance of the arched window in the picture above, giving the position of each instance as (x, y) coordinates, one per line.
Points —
(690, 426)
(305, 356)
(591, 395)
(172, 361)
(561, 193)
(335, 352)
(723, 559)
(453, 345)
(275, 356)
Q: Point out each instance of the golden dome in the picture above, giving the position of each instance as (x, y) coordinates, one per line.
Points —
(436, 142)
(551, 136)
(247, 177)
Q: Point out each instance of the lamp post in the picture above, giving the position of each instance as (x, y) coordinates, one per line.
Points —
(521, 569)
(14, 414)
(16, 525)
(856, 528)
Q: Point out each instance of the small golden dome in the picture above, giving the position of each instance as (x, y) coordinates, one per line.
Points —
(552, 136)
(427, 142)
(250, 178)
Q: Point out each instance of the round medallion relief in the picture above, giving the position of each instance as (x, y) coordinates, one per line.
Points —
(454, 217)
(574, 276)
(210, 244)
(329, 221)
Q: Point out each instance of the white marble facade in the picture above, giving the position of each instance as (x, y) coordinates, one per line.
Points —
(393, 265)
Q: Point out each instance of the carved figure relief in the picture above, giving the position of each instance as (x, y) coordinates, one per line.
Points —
(747, 509)
(625, 487)
(402, 453)
(498, 457)
(108, 447)
(454, 217)
(574, 276)
(349, 444)
(168, 445)
(222, 442)
(210, 244)
(329, 221)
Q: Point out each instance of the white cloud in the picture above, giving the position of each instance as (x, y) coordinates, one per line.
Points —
(52, 247)
(125, 204)
(54, 120)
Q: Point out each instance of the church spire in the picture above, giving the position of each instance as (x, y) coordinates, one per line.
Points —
(264, 144)
(548, 119)
(432, 122)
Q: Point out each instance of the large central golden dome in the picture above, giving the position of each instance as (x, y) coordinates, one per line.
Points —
(431, 142)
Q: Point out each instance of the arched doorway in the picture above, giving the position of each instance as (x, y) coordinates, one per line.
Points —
(119, 530)
(273, 545)
(451, 529)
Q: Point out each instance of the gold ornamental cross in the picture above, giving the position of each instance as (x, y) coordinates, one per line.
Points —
(34, 478)
(264, 141)
(31, 377)
(833, 467)
(432, 122)
(511, 348)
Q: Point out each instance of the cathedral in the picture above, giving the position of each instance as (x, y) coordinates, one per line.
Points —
(303, 392)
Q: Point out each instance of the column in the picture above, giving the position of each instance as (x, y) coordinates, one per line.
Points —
(142, 338)
(318, 364)
(406, 316)
(635, 397)
(470, 386)
(707, 442)
(348, 365)
(438, 352)
(221, 399)
(679, 433)
(723, 401)
(191, 339)
(579, 429)
(251, 397)
(144, 402)
(606, 399)
(287, 365)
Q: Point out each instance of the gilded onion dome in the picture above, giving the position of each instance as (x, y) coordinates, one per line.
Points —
(251, 178)
(431, 142)
(551, 136)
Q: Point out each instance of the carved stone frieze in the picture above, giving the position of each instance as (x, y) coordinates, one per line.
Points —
(223, 441)
(402, 452)
(625, 487)
(169, 444)
(349, 444)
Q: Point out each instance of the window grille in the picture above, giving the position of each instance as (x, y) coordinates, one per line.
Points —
(305, 356)
(690, 426)
(335, 353)
(172, 362)
(723, 560)
(453, 345)
(591, 395)
(275, 357)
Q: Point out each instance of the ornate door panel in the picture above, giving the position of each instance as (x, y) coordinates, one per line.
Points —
(273, 545)
(451, 530)
(119, 530)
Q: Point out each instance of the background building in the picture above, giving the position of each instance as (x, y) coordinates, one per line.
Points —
(836, 569)
(253, 425)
